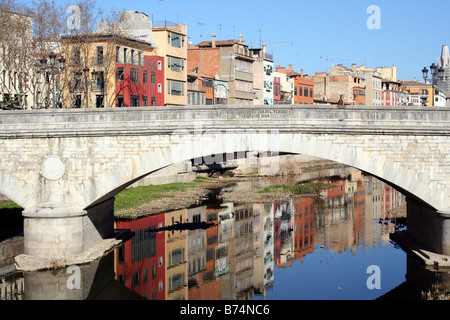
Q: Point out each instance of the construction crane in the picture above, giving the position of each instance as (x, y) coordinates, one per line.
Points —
(279, 44)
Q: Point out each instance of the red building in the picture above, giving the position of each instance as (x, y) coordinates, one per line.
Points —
(140, 264)
(140, 85)
(276, 90)
(304, 227)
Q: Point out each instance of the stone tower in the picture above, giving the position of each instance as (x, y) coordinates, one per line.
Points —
(442, 79)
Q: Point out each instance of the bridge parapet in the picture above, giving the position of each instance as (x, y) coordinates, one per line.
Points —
(314, 119)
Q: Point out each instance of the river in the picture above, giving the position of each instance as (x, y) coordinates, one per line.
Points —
(334, 247)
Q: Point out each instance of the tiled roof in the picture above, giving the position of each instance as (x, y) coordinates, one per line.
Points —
(219, 43)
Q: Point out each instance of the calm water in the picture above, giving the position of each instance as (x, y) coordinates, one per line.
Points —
(297, 249)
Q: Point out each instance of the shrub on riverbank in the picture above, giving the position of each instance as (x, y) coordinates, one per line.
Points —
(133, 197)
(305, 188)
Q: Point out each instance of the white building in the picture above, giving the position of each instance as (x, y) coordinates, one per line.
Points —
(262, 76)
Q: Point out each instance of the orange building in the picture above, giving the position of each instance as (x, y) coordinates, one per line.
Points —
(304, 227)
(303, 85)
(303, 90)
(359, 96)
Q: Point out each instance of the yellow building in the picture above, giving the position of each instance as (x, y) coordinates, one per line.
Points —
(172, 45)
(90, 79)
(176, 257)
(418, 93)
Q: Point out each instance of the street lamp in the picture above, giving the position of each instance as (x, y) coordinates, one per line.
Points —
(53, 70)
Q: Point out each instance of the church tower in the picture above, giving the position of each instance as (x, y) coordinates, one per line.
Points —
(441, 77)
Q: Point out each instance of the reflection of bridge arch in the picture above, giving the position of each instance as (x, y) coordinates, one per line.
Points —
(60, 162)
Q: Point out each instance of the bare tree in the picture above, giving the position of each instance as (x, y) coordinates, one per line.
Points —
(16, 60)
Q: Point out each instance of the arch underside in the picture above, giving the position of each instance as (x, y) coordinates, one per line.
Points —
(393, 171)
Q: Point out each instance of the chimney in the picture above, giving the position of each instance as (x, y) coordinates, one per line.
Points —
(301, 74)
(290, 67)
(241, 38)
(213, 42)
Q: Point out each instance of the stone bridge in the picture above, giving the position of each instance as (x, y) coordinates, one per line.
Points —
(65, 166)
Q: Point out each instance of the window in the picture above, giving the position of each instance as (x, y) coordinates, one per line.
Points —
(134, 75)
(99, 99)
(300, 91)
(76, 82)
(153, 77)
(175, 64)
(176, 281)
(120, 101)
(99, 55)
(159, 88)
(175, 40)
(117, 54)
(99, 81)
(125, 55)
(144, 101)
(153, 101)
(78, 101)
(159, 65)
(176, 257)
(76, 56)
(175, 88)
(139, 61)
(144, 76)
(132, 57)
(310, 92)
(244, 86)
(306, 92)
(119, 74)
(134, 101)
(207, 83)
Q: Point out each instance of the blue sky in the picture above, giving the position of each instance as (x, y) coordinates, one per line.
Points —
(323, 32)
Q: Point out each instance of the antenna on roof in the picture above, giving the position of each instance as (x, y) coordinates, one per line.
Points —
(201, 29)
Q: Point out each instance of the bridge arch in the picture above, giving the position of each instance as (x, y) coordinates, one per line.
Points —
(350, 152)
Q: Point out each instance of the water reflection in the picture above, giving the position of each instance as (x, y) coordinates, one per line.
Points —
(302, 248)
(239, 255)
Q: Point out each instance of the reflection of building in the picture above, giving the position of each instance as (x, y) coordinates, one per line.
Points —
(196, 243)
(283, 226)
(241, 252)
(176, 257)
(263, 247)
(140, 261)
(303, 210)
